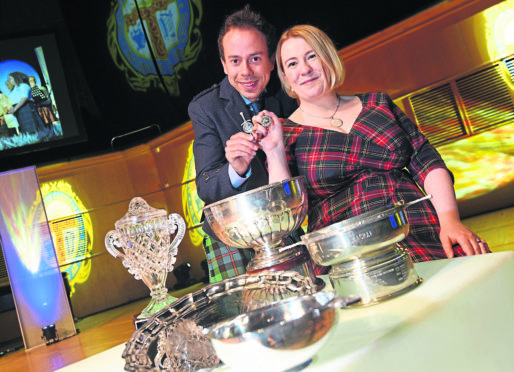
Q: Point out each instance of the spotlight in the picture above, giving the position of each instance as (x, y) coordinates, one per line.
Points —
(49, 334)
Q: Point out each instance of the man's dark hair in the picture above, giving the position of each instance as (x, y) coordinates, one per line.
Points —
(247, 18)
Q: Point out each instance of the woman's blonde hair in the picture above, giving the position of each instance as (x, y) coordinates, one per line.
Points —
(324, 49)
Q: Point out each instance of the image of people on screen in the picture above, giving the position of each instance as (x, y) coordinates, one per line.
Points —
(29, 114)
(25, 109)
(44, 105)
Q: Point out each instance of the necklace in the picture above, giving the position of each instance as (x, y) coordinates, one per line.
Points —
(335, 122)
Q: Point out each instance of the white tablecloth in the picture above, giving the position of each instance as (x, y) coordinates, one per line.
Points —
(461, 318)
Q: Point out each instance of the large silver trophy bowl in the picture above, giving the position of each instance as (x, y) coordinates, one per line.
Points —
(259, 219)
(143, 242)
(364, 255)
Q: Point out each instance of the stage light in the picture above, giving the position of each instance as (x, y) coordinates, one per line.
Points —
(49, 334)
(498, 25)
(34, 274)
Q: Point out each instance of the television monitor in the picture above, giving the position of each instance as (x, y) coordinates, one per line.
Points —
(49, 120)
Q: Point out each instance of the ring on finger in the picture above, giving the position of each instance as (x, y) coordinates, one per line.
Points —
(266, 121)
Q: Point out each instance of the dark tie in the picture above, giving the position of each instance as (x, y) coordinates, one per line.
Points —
(255, 107)
(260, 159)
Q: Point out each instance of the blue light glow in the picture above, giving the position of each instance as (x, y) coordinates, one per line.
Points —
(393, 221)
(34, 273)
(287, 189)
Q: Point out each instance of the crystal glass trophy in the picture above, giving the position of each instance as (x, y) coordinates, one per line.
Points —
(142, 241)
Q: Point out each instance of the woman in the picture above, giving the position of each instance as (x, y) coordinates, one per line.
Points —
(7, 121)
(43, 102)
(24, 108)
(359, 152)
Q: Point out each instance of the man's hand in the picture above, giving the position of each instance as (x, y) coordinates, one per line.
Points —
(239, 151)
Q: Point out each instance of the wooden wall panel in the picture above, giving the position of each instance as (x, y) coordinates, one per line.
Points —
(170, 152)
(103, 219)
(173, 196)
(142, 171)
(99, 181)
(434, 45)
(108, 285)
(371, 72)
(106, 184)
(425, 58)
(191, 249)
(103, 184)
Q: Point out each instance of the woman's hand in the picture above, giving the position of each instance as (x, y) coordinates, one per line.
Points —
(453, 231)
(271, 141)
(439, 183)
(268, 138)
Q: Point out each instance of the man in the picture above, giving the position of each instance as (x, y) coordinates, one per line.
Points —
(227, 161)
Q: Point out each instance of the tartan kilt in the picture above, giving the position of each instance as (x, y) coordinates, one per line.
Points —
(224, 261)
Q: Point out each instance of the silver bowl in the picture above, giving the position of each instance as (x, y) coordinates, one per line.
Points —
(365, 259)
(376, 277)
(260, 219)
(150, 346)
(358, 236)
(278, 336)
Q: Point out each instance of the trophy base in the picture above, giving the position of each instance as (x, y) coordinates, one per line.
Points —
(155, 305)
(375, 277)
(296, 259)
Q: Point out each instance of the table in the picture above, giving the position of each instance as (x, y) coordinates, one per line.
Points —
(461, 318)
